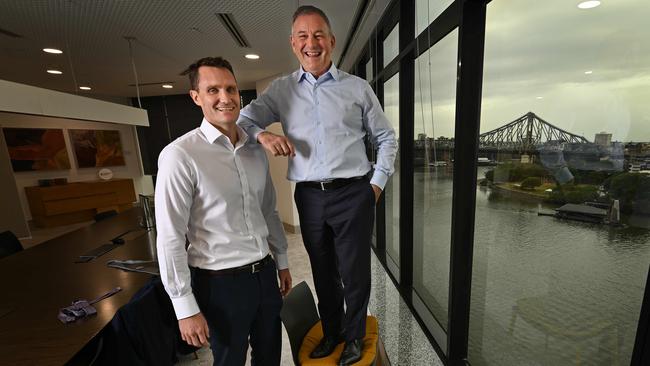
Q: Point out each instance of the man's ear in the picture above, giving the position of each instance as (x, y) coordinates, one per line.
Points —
(333, 41)
(195, 97)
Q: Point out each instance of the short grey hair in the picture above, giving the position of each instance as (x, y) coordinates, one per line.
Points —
(310, 9)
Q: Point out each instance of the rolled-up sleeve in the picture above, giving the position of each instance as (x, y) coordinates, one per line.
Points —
(173, 199)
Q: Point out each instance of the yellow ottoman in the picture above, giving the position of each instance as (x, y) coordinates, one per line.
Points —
(315, 334)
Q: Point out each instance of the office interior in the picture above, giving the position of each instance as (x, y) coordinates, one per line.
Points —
(506, 112)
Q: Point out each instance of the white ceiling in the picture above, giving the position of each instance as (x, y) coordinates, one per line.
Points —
(169, 35)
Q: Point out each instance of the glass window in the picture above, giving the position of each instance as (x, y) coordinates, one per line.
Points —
(426, 11)
(369, 75)
(391, 45)
(392, 198)
(435, 101)
(562, 235)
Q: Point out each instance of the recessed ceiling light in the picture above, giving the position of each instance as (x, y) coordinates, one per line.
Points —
(252, 56)
(55, 72)
(589, 4)
(84, 88)
(52, 50)
(539, 97)
(167, 86)
(589, 72)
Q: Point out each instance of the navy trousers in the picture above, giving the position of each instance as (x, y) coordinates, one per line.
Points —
(336, 228)
(238, 307)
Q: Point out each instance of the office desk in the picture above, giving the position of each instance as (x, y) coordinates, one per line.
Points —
(37, 282)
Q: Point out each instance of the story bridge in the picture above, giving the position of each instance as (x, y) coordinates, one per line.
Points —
(528, 134)
(525, 134)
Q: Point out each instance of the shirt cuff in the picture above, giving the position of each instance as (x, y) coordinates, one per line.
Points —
(281, 261)
(379, 179)
(255, 131)
(185, 306)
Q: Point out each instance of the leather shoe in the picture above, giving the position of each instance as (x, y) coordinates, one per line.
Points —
(325, 347)
(351, 353)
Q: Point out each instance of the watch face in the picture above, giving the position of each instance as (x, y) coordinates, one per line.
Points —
(105, 174)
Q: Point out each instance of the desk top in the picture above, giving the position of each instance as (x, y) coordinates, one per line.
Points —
(37, 282)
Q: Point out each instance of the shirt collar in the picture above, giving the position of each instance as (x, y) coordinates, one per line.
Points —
(333, 71)
(212, 133)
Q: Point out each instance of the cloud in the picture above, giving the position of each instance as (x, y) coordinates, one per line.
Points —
(543, 49)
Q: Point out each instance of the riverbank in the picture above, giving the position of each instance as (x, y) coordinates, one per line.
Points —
(511, 189)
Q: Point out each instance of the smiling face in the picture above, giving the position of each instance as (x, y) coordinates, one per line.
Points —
(217, 95)
(312, 43)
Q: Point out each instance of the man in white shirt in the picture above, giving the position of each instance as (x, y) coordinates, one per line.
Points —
(213, 187)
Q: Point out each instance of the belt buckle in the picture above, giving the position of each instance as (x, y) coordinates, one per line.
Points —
(256, 267)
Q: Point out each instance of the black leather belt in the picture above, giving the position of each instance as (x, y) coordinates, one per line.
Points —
(331, 184)
(248, 268)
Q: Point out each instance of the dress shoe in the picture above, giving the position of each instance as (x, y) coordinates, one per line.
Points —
(351, 353)
(325, 347)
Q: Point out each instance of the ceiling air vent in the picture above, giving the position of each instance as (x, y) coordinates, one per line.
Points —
(9, 33)
(228, 21)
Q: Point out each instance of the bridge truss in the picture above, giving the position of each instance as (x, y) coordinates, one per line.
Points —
(525, 134)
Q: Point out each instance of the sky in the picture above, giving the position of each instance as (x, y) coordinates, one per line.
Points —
(585, 71)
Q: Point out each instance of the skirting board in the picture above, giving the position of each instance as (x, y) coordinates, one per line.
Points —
(291, 228)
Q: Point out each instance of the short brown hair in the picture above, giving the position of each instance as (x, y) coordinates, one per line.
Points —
(193, 69)
(310, 9)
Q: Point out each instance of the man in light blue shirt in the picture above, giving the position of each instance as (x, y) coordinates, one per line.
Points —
(326, 114)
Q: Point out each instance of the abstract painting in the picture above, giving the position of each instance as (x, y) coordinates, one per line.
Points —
(97, 148)
(36, 149)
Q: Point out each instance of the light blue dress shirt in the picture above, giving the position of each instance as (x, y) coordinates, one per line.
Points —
(326, 119)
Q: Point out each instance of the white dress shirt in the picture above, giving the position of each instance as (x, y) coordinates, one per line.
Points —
(327, 120)
(220, 196)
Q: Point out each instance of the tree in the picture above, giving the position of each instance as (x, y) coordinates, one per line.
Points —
(630, 189)
(489, 175)
(531, 182)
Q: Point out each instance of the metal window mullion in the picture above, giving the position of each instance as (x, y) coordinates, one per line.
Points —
(471, 42)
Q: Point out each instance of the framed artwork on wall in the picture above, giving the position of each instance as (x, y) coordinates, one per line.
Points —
(97, 148)
(35, 149)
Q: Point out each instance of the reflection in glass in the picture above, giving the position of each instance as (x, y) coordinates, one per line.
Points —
(562, 235)
(391, 45)
(369, 75)
(435, 98)
(391, 108)
(426, 11)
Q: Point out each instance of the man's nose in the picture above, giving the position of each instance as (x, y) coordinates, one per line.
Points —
(311, 41)
(223, 96)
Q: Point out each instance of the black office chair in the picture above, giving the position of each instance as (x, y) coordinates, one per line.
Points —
(143, 332)
(9, 244)
(299, 315)
(104, 215)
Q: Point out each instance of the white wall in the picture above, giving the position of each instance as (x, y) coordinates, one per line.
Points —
(278, 165)
(132, 169)
(20, 98)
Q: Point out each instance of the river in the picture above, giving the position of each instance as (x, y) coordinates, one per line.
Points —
(544, 291)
